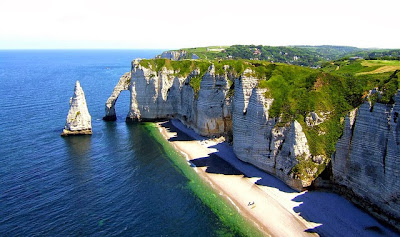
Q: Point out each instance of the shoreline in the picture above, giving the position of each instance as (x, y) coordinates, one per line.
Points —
(214, 185)
(261, 215)
(278, 210)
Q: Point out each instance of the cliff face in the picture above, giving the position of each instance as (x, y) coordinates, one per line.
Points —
(79, 120)
(367, 160)
(365, 166)
(257, 139)
(158, 95)
(215, 111)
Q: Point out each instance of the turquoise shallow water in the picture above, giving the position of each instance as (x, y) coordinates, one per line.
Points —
(117, 182)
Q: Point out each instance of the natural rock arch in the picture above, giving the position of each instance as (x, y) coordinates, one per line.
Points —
(122, 85)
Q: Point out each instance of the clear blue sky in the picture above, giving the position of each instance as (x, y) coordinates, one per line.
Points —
(177, 24)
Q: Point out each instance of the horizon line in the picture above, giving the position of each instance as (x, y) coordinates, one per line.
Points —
(82, 49)
(146, 48)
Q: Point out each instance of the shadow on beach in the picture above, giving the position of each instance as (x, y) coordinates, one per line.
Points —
(336, 215)
(216, 165)
(180, 136)
(224, 160)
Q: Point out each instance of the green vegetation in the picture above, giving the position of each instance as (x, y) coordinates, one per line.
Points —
(195, 84)
(289, 55)
(389, 88)
(333, 90)
(382, 54)
(181, 69)
(330, 52)
(305, 167)
(211, 52)
(297, 91)
(232, 68)
(310, 56)
(339, 81)
(345, 85)
(369, 74)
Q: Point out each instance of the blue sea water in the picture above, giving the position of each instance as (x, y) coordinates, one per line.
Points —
(117, 182)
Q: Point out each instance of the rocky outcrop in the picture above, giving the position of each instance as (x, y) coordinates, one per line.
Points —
(79, 121)
(178, 55)
(174, 54)
(312, 119)
(123, 84)
(366, 165)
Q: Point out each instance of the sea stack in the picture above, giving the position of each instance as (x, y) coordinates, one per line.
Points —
(79, 121)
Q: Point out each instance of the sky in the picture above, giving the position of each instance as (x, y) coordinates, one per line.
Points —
(174, 24)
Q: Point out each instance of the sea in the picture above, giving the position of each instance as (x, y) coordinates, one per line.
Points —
(121, 181)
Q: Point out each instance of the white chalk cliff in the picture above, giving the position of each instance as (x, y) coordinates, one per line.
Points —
(177, 55)
(157, 95)
(366, 163)
(214, 111)
(79, 120)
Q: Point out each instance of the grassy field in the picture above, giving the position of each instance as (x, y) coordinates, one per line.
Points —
(380, 66)
(369, 74)
(210, 52)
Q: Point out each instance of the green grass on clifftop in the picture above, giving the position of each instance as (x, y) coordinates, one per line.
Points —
(369, 74)
(297, 91)
(331, 92)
